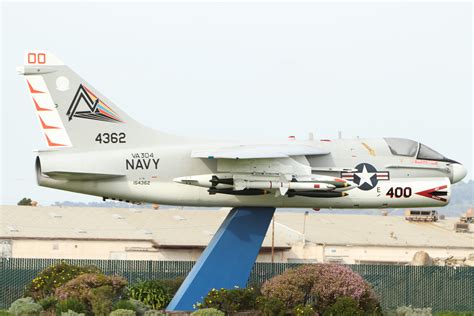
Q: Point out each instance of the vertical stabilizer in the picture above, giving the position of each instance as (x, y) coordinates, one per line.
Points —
(72, 113)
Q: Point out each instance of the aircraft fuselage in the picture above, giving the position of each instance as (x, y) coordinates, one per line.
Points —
(147, 174)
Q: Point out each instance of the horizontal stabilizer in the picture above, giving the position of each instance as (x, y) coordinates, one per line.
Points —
(259, 151)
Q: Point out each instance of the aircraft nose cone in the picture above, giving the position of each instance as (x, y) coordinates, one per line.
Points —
(458, 172)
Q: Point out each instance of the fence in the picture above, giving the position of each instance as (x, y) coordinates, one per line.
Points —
(441, 288)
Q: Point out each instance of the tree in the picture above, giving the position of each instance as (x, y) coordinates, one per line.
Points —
(25, 201)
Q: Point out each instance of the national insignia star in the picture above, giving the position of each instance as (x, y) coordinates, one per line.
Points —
(365, 176)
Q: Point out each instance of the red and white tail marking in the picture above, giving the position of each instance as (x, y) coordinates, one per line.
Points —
(40, 58)
(53, 129)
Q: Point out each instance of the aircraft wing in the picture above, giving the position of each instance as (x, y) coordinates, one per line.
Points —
(259, 152)
(263, 169)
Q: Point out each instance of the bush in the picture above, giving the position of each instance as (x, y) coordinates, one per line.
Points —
(208, 312)
(153, 293)
(304, 310)
(24, 202)
(25, 306)
(270, 306)
(234, 300)
(83, 288)
(48, 280)
(153, 312)
(72, 313)
(125, 304)
(48, 302)
(410, 311)
(293, 287)
(122, 312)
(173, 284)
(140, 307)
(70, 304)
(320, 285)
(344, 306)
(447, 313)
(101, 299)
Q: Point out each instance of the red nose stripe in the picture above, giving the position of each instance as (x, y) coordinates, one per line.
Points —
(435, 193)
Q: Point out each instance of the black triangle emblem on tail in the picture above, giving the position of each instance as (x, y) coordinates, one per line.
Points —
(87, 105)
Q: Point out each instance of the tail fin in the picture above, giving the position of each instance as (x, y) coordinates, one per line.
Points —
(72, 113)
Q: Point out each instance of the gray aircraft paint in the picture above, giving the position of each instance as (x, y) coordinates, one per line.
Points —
(113, 156)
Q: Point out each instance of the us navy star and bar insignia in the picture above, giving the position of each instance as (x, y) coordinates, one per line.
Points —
(366, 176)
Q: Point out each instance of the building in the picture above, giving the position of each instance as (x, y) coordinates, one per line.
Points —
(177, 234)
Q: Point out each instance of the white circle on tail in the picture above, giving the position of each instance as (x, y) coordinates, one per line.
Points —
(62, 83)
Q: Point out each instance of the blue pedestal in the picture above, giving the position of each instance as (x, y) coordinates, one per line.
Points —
(228, 259)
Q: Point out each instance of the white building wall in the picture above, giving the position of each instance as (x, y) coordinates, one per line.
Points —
(380, 254)
(179, 254)
(299, 253)
(74, 249)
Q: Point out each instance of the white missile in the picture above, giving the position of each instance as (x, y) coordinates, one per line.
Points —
(310, 186)
(274, 185)
(339, 184)
(283, 187)
(220, 181)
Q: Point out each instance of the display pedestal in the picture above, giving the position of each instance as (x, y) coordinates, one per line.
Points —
(228, 259)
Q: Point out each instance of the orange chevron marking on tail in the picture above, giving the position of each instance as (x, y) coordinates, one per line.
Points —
(51, 144)
(32, 90)
(38, 107)
(45, 126)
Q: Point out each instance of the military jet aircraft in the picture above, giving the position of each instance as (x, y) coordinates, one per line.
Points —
(95, 148)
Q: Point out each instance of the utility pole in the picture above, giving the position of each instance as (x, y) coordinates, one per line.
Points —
(273, 239)
(304, 227)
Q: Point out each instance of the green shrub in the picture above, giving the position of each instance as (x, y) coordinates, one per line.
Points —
(208, 312)
(125, 304)
(270, 306)
(101, 299)
(83, 288)
(344, 306)
(304, 310)
(173, 284)
(447, 313)
(71, 313)
(153, 293)
(233, 300)
(48, 280)
(410, 311)
(122, 312)
(48, 302)
(25, 306)
(321, 284)
(140, 307)
(70, 304)
(153, 312)
(24, 202)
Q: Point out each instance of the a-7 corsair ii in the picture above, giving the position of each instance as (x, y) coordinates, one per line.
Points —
(97, 149)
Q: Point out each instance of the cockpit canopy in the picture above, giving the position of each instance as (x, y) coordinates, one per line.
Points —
(402, 146)
(410, 148)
